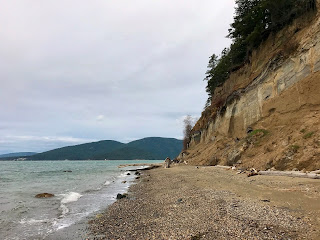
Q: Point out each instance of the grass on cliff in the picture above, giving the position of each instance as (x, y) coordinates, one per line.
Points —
(294, 148)
(261, 132)
(255, 137)
(308, 135)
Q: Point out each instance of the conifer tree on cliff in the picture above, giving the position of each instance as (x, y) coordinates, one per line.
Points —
(254, 21)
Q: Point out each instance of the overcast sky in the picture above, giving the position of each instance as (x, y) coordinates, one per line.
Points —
(76, 71)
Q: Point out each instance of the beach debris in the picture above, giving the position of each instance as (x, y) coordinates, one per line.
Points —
(67, 171)
(241, 170)
(167, 163)
(223, 167)
(179, 200)
(252, 172)
(44, 195)
(120, 196)
(234, 168)
(265, 200)
(137, 177)
(290, 174)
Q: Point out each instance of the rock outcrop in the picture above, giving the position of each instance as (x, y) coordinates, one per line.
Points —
(277, 94)
(44, 195)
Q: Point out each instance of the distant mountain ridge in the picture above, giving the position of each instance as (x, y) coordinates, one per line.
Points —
(152, 148)
(17, 154)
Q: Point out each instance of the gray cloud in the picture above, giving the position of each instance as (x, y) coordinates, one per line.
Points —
(94, 70)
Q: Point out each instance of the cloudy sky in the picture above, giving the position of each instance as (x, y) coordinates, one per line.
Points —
(75, 71)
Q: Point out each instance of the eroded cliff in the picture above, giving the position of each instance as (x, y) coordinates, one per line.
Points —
(267, 114)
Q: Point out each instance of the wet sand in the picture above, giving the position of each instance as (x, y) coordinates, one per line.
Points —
(186, 202)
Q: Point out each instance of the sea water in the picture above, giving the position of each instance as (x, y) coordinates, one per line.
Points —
(81, 188)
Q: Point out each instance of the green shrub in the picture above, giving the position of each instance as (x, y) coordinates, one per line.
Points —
(303, 130)
(294, 148)
(308, 135)
(258, 131)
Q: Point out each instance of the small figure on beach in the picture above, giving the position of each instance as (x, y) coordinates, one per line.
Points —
(167, 163)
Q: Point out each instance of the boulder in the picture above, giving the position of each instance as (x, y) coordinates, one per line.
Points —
(233, 157)
(167, 163)
(120, 196)
(44, 195)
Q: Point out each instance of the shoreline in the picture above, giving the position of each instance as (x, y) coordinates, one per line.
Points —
(188, 202)
(79, 229)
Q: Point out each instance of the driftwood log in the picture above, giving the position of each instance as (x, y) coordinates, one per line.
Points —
(290, 174)
(223, 167)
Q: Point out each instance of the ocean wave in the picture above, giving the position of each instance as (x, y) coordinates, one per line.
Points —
(70, 197)
(3, 179)
(107, 183)
(32, 221)
(64, 210)
(123, 175)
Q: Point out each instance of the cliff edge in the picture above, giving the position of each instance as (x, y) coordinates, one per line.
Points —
(267, 114)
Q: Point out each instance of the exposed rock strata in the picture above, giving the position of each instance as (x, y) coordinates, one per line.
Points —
(279, 88)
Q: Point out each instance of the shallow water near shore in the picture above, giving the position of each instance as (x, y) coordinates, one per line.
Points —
(81, 188)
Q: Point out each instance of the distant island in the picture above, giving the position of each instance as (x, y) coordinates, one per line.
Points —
(17, 154)
(152, 148)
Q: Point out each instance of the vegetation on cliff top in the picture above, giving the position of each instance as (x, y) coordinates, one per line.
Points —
(254, 21)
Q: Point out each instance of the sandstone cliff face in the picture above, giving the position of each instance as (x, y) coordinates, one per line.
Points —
(277, 92)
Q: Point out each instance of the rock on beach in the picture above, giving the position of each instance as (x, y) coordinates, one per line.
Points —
(44, 195)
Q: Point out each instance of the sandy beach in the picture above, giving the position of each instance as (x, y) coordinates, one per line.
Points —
(188, 202)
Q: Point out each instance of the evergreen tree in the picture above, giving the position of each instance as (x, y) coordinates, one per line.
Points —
(254, 20)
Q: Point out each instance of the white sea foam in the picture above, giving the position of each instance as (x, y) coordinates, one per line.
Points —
(107, 183)
(123, 175)
(32, 221)
(70, 197)
(61, 226)
(64, 209)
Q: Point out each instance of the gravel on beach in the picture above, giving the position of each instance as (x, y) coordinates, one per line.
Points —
(185, 202)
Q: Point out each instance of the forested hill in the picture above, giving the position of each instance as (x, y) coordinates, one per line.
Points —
(147, 148)
(17, 154)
